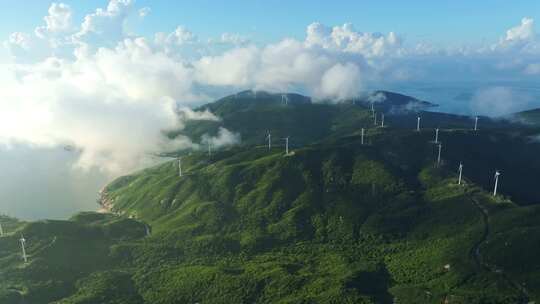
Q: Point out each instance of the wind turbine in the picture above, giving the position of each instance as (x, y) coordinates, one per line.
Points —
(476, 123)
(286, 145)
(362, 138)
(460, 169)
(22, 240)
(437, 135)
(372, 110)
(147, 230)
(179, 166)
(284, 99)
(382, 120)
(418, 124)
(269, 138)
(497, 173)
(439, 156)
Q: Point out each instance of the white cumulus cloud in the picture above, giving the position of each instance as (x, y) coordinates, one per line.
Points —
(58, 20)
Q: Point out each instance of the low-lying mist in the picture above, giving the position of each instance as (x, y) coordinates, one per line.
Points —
(39, 183)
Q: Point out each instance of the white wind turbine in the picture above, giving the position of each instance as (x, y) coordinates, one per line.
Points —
(372, 109)
(179, 166)
(22, 240)
(439, 156)
(437, 135)
(497, 173)
(460, 169)
(286, 145)
(269, 138)
(284, 99)
(418, 124)
(476, 123)
(147, 230)
(362, 138)
(382, 120)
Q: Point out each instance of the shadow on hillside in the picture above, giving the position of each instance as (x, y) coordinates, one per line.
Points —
(374, 284)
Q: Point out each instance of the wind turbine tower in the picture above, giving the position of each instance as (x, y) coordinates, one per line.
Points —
(439, 156)
(286, 145)
(476, 123)
(497, 173)
(22, 240)
(284, 99)
(269, 138)
(460, 169)
(362, 138)
(179, 166)
(418, 124)
(382, 120)
(437, 135)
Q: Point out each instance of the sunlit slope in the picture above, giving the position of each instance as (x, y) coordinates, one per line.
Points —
(336, 222)
(496, 145)
(361, 210)
(296, 116)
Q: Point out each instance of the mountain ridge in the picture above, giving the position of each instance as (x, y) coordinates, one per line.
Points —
(337, 220)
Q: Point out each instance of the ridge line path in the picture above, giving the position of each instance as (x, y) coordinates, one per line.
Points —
(479, 260)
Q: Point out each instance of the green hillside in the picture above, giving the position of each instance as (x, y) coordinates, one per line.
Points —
(497, 145)
(336, 221)
(530, 117)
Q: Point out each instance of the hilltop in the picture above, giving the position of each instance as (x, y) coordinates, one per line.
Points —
(335, 221)
(530, 117)
(254, 114)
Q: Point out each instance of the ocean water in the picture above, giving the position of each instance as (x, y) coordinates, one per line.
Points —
(491, 99)
(38, 183)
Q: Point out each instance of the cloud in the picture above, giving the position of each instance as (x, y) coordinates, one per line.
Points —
(104, 27)
(59, 20)
(179, 36)
(186, 113)
(497, 101)
(223, 138)
(340, 82)
(345, 38)
(232, 38)
(111, 93)
(377, 97)
(112, 105)
(522, 32)
(233, 68)
(143, 12)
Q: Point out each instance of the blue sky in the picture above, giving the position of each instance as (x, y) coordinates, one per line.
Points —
(448, 23)
(81, 67)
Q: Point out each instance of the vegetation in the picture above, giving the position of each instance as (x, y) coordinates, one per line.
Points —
(336, 221)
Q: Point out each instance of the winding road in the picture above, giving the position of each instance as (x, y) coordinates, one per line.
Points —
(479, 260)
